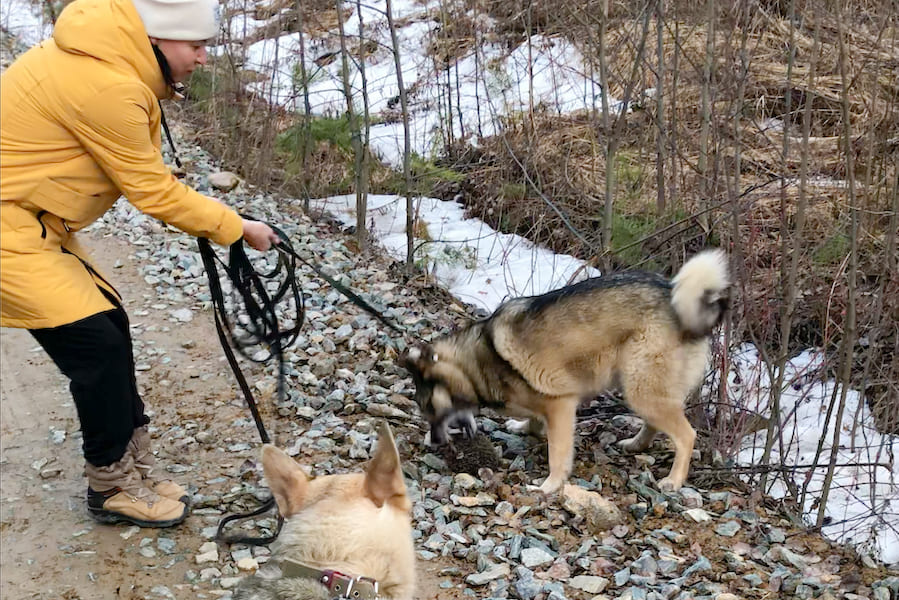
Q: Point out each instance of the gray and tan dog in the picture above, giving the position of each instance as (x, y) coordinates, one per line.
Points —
(541, 355)
(344, 536)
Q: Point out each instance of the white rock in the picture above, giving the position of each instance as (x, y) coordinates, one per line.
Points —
(600, 514)
(229, 582)
(698, 515)
(224, 180)
(589, 583)
(533, 557)
(209, 552)
(385, 410)
(208, 557)
(182, 315)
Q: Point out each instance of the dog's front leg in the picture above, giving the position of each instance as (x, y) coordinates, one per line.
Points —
(560, 422)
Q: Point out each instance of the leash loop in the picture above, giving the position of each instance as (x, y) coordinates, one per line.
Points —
(259, 325)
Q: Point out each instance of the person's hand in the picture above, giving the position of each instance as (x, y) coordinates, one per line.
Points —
(259, 235)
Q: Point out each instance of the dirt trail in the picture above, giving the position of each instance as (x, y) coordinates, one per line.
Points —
(51, 548)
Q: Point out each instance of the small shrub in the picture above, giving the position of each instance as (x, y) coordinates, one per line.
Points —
(832, 251)
(513, 191)
(334, 131)
(627, 229)
(314, 74)
(630, 174)
(427, 178)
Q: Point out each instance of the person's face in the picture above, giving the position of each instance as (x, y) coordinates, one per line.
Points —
(183, 57)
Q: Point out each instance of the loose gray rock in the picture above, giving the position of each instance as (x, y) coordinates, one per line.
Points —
(500, 571)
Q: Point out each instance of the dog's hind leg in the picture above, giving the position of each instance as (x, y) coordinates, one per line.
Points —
(658, 397)
(641, 441)
(560, 425)
(683, 436)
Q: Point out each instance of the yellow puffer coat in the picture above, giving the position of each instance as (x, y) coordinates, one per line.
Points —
(80, 126)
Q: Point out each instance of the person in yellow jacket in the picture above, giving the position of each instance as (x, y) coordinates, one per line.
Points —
(80, 126)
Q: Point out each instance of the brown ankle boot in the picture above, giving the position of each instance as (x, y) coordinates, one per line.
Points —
(117, 494)
(140, 448)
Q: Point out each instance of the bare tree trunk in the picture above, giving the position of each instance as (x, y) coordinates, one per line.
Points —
(706, 117)
(849, 328)
(51, 11)
(609, 142)
(362, 159)
(263, 155)
(459, 102)
(450, 131)
(528, 28)
(478, 77)
(790, 251)
(612, 131)
(307, 111)
(673, 122)
(352, 120)
(660, 107)
(407, 142)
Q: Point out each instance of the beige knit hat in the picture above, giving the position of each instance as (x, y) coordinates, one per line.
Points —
(189, 20)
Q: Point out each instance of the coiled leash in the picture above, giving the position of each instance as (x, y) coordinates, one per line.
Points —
(261, 327)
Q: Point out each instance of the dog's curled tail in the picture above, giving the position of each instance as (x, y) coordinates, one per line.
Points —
(699, 292)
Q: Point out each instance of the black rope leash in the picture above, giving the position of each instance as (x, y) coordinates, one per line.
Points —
(261, 327)
(285, 249)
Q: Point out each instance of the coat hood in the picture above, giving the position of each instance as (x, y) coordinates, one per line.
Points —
(110, 31)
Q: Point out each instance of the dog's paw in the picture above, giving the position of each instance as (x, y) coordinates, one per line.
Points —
(669, 485)
(551, 486)
(519, 426)
(632, 445)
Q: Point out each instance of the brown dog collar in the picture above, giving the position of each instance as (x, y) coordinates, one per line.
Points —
(339, 584)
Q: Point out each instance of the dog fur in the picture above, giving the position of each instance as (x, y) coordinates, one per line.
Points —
(358, 524)
(541, 355)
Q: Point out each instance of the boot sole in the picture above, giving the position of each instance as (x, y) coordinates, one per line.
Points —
(108, 517)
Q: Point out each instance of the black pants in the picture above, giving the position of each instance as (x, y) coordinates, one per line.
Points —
(96, 354)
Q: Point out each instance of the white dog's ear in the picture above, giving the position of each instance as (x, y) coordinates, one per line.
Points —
(286, 479)
(384, 475)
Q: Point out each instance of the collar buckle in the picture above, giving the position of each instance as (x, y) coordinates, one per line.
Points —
(340, 585)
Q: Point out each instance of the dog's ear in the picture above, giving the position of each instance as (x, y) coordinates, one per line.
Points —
(384, 475)
(417, 358)
(286, 479)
